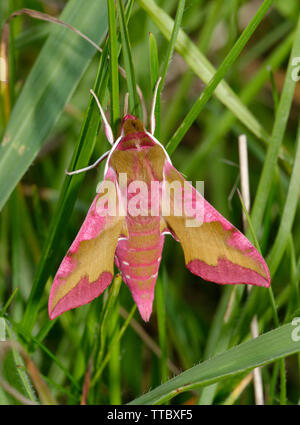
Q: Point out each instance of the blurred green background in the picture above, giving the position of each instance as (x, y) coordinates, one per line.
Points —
(48, 123)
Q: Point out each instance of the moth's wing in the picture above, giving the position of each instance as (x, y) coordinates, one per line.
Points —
(213, 248)
(88, 267)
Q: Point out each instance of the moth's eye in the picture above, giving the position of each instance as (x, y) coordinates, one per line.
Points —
(138, 125)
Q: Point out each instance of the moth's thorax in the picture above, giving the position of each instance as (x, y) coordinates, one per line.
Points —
(139, 156)
(135, 141)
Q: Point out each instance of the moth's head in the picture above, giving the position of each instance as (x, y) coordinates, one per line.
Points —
(131, 124)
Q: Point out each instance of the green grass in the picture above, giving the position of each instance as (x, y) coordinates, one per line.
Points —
(226, 69)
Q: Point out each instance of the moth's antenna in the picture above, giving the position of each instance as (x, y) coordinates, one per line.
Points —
(140, 95)
(152, 116)
(107, 127)
(90, 167)
(144, 108)
(126, 104)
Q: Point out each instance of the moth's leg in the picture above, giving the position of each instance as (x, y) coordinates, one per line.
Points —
(152, 116)
(107, 127)
(90, 167)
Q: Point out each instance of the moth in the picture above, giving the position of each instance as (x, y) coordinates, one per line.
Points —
(213, 248)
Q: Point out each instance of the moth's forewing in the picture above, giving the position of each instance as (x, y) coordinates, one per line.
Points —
(88, 267)
(214, 249)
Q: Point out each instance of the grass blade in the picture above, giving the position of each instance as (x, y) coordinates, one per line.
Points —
(114, 70)
(279, 127)
(260, 351)
(154, 75)
(129, 67)
(203, 68)
(219, 75)
(173, 39)
(161, 323)
(288, 214)
(47, 90)
(247, 95)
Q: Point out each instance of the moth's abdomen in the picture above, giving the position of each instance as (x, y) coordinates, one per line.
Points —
(138, 258)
